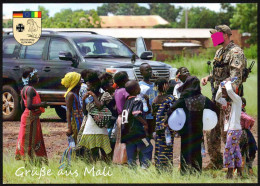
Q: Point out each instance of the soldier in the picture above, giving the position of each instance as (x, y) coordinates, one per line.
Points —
(229, 61)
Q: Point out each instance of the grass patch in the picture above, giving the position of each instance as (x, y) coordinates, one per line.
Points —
(119, 174)
(49, 113)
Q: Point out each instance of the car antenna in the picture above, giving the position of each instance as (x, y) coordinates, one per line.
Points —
(133, 59)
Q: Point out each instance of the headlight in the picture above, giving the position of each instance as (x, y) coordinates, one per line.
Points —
(129, 71)
(172, 72)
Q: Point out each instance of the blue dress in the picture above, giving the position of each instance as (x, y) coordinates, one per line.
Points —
(163, 153)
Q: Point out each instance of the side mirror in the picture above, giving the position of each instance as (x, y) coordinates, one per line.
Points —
(146, 55)
(67, 56)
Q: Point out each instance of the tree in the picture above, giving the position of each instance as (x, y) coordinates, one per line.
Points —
(107, 8)
(122, 9)
(199, 17)
(67, 18)
(226, 13)
(165, 10)
(245, 19)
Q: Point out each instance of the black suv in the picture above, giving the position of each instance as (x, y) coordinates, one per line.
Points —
(57, 53)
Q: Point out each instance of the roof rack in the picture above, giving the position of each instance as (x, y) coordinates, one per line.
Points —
(49, 31)
(53, 32)
(91, 32)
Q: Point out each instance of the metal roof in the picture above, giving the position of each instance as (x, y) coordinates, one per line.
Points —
(148, 33)
(132, 21)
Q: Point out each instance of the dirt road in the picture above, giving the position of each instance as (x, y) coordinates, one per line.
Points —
(56, 143)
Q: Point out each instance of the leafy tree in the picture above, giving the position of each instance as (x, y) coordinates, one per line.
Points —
(226, 13)
(107, 8)
(165, 10)
(245, 19)
(67, 18)
(199, 17)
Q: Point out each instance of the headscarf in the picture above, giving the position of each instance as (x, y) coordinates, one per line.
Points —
(190, 91)
(190, 87)
(70, 80)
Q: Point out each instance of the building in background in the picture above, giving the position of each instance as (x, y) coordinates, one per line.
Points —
(130, 21)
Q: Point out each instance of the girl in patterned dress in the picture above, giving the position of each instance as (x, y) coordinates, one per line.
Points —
(72, 82)
(30, 143)
(232, 154)
(161, 104)
(93, 137)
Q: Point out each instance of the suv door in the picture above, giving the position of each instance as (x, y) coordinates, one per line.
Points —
(58, 68)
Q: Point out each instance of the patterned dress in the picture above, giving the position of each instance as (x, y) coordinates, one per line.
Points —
(30, 141)
(163, 153)
(93, 136)
(76, 116)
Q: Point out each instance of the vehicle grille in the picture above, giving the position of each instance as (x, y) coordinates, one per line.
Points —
(161, 73)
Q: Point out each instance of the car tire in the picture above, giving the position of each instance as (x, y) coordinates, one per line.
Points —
(11, 108)
(61, 112)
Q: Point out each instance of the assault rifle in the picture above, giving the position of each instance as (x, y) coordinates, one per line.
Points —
(246, 71)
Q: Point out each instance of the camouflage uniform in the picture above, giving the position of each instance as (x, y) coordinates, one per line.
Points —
(228, 62)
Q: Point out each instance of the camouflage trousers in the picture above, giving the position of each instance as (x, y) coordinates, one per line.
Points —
(214, 140)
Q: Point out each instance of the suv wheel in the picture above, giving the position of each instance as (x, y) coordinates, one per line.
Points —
(11, 106)
(61, 112)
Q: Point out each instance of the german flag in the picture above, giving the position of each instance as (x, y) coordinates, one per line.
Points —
(18, 14)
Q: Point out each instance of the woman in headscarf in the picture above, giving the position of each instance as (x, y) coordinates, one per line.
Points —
(74, 114)
(30, 141)
(193, 103)
(72, 82)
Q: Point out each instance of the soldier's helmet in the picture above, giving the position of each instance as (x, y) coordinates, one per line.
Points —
(221, 28)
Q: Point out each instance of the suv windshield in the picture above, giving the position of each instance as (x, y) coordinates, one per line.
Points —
(96, 48)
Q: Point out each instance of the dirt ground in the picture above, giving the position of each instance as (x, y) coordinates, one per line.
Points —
(56, 142)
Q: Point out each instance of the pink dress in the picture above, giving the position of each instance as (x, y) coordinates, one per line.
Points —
(30, 140)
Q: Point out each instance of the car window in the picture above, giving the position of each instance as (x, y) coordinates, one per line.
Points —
(10, 48)
(33, 51)
(102, 47)
(57, 45)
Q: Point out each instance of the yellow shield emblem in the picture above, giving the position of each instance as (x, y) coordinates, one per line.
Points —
(27, 27)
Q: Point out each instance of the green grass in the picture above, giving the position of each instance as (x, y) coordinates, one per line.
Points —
(49, 113)
(119, 174)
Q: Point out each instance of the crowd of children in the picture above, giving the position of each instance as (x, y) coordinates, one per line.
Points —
(104, 111)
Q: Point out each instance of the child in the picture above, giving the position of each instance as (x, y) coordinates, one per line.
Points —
(160, 106)
(193, 104)
(232, 155)
(182, 71)
(72, 82)
(95, 137)
(30, 143)
(135, 128)
(120, 79)
(247, 142)
(107, 85)
(148, 88)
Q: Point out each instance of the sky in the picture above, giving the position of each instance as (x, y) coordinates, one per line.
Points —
(53, 8)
